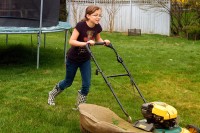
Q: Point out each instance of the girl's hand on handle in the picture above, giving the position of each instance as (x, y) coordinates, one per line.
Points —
(91, 42)
(107, 42)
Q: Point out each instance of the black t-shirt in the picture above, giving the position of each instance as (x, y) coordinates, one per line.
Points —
(80, 54)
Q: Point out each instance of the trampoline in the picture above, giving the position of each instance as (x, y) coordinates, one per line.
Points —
(32, 17)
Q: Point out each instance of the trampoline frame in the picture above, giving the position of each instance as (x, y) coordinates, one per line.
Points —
(62, 26)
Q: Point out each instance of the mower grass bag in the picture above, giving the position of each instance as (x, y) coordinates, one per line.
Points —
(98, 119)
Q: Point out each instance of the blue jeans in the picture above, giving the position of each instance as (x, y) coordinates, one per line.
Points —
(71, 69)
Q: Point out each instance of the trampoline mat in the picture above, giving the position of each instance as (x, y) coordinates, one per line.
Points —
(21, 30)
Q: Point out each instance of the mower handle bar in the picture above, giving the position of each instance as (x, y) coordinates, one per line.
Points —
(102, 43)
(119, 59)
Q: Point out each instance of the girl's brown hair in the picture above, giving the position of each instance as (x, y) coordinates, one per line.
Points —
(89, 10)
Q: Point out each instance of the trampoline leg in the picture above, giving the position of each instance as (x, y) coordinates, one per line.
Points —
(65, 45)
(44, 40)
(38, 49)
(31, 40)
(6, 39)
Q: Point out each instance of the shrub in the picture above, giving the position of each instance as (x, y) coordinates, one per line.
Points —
(192, 32)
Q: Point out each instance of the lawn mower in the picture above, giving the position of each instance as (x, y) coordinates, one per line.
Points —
(159, 117)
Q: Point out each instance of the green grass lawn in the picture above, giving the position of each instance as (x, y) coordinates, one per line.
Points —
(165, 68)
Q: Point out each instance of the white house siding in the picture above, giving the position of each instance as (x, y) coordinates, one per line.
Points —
(149, 20)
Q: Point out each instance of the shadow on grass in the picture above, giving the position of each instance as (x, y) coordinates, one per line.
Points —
(26, 56)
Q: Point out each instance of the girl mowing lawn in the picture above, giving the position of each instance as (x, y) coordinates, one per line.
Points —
(85, 32)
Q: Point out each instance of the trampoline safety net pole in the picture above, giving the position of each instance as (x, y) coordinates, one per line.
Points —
(65, 45)
(39, 34)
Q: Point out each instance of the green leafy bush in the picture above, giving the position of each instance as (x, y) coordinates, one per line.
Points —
(192, 32)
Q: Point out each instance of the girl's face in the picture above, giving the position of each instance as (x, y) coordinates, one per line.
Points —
(95, 17)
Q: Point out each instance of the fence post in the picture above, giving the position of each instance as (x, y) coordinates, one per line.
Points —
(130, 14)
